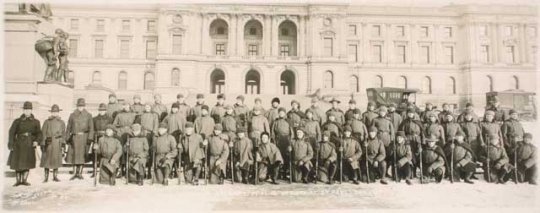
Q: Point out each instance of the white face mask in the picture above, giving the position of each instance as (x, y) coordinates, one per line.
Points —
(162, 131)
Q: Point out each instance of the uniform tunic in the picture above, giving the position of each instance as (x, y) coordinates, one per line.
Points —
(313, 131)
(416, 116)
(512, 132)
(424, 116)
(218, 149)
(282, 133)
(296, 118)
(109, 149)
(450, 130)
(338, 113)
(349, 114)
(461, 117)
(23, 132)
(404, 155)
(436, 130)
(385, 130)
(229, 126)
(101, 122)
(175, 122)
(327, 153)
(432, 159)
(217, 113)
(527, 157)
(122, 122)
(81, 129)
(462, 159)
(270, 156)
(53, 139)
(395, 119)
(351, 149)
(243, 152)
(272, 114)
(184, 109)
(113, 109)
(262, 111)
(359, 130)
(498, 161)
(204, 125)
(490, 128)
(192, 154)
(473, 135)
(368, 117)
(375, 150)
(138, 108)
(259, 124)
(318, 115)
(160, 110)
(333, 127)
(149, 122)
(165, 148)
(138, 151)
(301, 151)
(414, 132)
(500, 114)
(195, 112)
(241, 113)
(442, 115)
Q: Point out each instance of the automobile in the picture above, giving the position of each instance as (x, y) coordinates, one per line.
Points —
(387, 95)
(523, 102)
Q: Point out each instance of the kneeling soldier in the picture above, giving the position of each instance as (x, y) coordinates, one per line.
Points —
(463, 158)
(526, 160)
(496, 161)
(191, 147)
(403, 158)
(218, 145)
(375, 155)
(137, 147)
(269, 159)
(164, 146)
(351, 154)
(433, 160)
(243, 156)
(302, 153)
(327, 159)
(110, 150)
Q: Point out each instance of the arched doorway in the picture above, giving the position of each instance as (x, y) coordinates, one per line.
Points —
(288, 82)
(253, 82)
(217, 81)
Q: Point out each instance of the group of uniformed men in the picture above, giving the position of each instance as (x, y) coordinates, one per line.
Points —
(256, 145)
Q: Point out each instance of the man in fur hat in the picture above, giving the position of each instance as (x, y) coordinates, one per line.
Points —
(218, 111)
(204, 125)
(273, 113)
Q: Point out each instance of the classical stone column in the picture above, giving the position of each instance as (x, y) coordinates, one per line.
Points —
(300, 36)
(267, 35)
(232, 46)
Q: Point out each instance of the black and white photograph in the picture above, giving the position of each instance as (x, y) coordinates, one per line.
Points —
(270, 105)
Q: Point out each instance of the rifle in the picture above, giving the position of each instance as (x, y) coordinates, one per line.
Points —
(207, 163)
(256, 164)
(367, 164)
(340, 160)
(232, 164)
(95, 160)
(421, 167)
(290, 166)
(153, 165)
(127, 159)
(395, 163)
(487, 164)
(178, 170)
(317, 164)
(515, 166)
(452, 163)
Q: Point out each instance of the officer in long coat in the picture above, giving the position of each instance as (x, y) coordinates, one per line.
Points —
(376, 155)
(123, 121)
(191, 148)
(351, 155)
(230, 123)
(113, 107)
(80, 133)
(110, 150)
(302, 153)
(490, 126)
(318, 113)
(527, 167)
(414, 132)
(149, 122)
(512, 132)
(370, 114)
(450, 127)
(269, 159)
(463, 158)
(241, 111)
(175, 121)
(100, 125)
(403, 158)
(327, 157)
(204, 125)
(138, 149)
(218, 111)
(243, 156)
(338, 113)
(385, 127)
(282, 134)
(182, 106)
(159, 108)
(53, 143)
(495, 157)
(218, 154)
(473, 134)
(165, 149)
(359, 129)
(24, 134)
(138, 107)
(196, 110)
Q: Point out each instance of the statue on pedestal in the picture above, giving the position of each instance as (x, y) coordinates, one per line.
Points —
(52, 49)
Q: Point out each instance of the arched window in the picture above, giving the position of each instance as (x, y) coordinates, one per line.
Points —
(353, 84)
(514, 82)
(253, 82)
(175, 77)
(219, 33)
(217, 81)
(122, 80)
(287, 39)
(328, 80)
(287, 82)
(451, 85)
(378, 82)
(96, 77)
(149, 81)
(253, 38)
(488, 84)
(402, 82)
(426, 85)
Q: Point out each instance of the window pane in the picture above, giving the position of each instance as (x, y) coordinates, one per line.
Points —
(124, 49)
(402, 82)
(425, 54)
(96, 77)
(352, 30)
(451, 86)
(73, 45)
(122, 81)
(424, 31)
(100, 27)
(484, 53)
(175, 77)
(508, 31)
(284, 50)
(151, 49)
(400, 31)
(426, 85)
(378, 82)
(449, 55)
(126, 24)
(253, 49)
(400, 50)
(99, 49)
(376, 56)
(74, 24)
(328, 80)
(220, 49)
(149, 81)
(483, 30)
(354, 87)
(376, 31)
(151, 26)
(177, 44)
(328, 45)
(510, 54)
(448, 31)
(353, 52)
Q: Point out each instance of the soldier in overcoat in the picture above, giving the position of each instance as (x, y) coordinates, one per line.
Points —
(100, 125)
(218, 155)
(243, 156)
(80, 134)
(138, 147)
(351, 155)
(269, 159)
(191, 149)
(527, 167)
(166, 150)
(376, 155)
(302, 153)
(327, 159)
(52, 143)
(110, 150)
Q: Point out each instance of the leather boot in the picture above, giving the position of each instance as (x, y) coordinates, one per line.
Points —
(17, 178)
(46, 176)
(80, 173)
(25, 178)
(75, 173)
(55, 175)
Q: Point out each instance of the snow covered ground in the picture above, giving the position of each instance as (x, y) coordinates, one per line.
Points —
(82, 196)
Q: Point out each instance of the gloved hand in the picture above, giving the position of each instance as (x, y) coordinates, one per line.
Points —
(237, 165)
(300, 163)
(376, 164)
(231, 144)
(452, 145)
(113, 161)
(205, 142)
(419, 149)
(162, 160)
(340, 149)
(430, 170)
(350, 160)
(218, 162)
(35, 144)
(289, 149)
(96, 146)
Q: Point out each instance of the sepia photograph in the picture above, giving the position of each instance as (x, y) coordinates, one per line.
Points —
(270, 105)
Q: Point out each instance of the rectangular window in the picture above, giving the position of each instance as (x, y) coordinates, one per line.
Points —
(376, 54)
(284, 50)
(220, 49)
(74, 24)
(253, 49)
(353, 52)
(400, 31)
(376, 31)
(508, 31)
(449, 55)
(533, 32)
(73, 46)
(328, 47)
(484, 53)
(151, 49)
(100, 25)
(448, 32)
(401, 55)
(424, 54)
(177, 44)
(424, 32)
(151, 26)
(126, 25)
(124, 48)
(352, 30)
(98, 51)
(483, 30)
(510, 54)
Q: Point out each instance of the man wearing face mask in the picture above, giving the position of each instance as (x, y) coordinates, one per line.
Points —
(165, 149)
(295, 115)
(499, 114)
(242, 150)
(338, 113)
(444, 112)
(80, 130)
(376, 155)
(512, 132)
(463, 158)
(490, 127)
(229, 123)
(428, 110)
(385, 127)
(349, 114)
(138, 108)
(182, 106)
(302, 153)
(110, 150)
(527, 167)
(414, 133)
(24, 134)
(404, 158)
(123, 121)
(282, 134)
(218, 111)
(473, 134)
(273, 113)
(432, 127)
(100, 124)
(370, 114)
(269, 159)
(327, 159)
(469, 109)
(196, 110)
(191, 148)
(218, 150)
(52, 143)
(241, 111)
(394, 117)
(351, 154)
(318, 113)
(159, 108)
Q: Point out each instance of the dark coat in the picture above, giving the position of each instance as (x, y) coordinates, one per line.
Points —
(22, 155)
(53, 140)
(80, 129)
(109, 149)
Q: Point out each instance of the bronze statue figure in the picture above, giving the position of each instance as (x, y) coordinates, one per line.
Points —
(52, 49)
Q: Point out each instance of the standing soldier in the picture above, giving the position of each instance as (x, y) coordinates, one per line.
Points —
(100, 125)
(526, 160)
(500, 115)
(175, 121)
(469, 109)
(351, 155)
(282, 134)
(414, 132)
(385, 127)
(218, 151)
(191, 149)
(113, 107)
(229, 123)
(196, 110)
(273, 113)
(327, 159)
(433, 160)
(403, 163)
(318, 113)
(165, 149)
(123, 121)
(258, 125)
(429, 109)
(350, 112)
(219, 109)
(182, 106)
(494, 156)
(376, 155)
(473, 134)
(444, 112)
(432, 127)
(512, 132)
(80, 131)
(204, 125)
(258, 103)
(295, 115)
(451, 128)
(338, 113)
(159, 108)
(243, 156)
(370, 114)
(302, 153)
(24, 135)
(334, 128)
(359, 129)
(269, 159)
(138, 147)
(394, 117)
(413, 107)
(312, 128)
(241, 111)
(110, 150)
(490, 127)
(149, 123)
(463, 158)
(138, 108)
(52, 143)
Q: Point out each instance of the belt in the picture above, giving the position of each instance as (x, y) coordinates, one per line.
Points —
(80, 133)
(101, 132)
(27, 134)
(57, 137)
